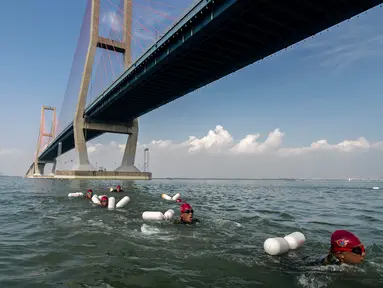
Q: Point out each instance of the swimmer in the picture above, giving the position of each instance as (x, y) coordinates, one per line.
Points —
(345, 248)
(186, 215)
(118, 189)
(89, 194)
(104, 202)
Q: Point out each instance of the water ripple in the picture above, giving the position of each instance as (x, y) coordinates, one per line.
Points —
(49, 240)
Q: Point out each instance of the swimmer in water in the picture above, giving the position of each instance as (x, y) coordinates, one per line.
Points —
(104, 202)
(345, 248)
(118, 189)
(89, 194)
(186, 215)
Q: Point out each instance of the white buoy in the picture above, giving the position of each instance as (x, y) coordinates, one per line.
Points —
(175, 197)
(295, 240)
(95, 199)
(169, 214)
(375, 188)
(123, 202)
(152, 215)
(166, 197)
(76, 194)
(111, 203)
(276, 246)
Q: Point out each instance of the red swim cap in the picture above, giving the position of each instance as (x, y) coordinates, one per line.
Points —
(118, 187)
(104, 198)
(90, 190)
(185, 207)
(179, 200)
(343, 240)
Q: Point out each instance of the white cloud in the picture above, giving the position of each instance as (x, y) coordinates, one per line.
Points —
(113, 20)
(218, 154)
(250, 145)
(322, 145)
(377, 146)
(346, 44)
(10, 152)
(214, 141)
(220, 141)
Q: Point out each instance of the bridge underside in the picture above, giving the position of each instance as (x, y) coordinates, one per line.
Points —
(245, 31)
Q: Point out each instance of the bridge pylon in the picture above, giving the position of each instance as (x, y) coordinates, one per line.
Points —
(80, 124)
(37, 168)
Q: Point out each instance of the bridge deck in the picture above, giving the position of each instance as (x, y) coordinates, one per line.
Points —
(216, 39)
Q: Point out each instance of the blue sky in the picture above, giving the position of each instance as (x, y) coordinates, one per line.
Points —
(327, 87)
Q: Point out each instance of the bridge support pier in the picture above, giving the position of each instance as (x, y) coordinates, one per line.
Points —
(127, 164)
(83, 163)
(54, 167)
(39, 169)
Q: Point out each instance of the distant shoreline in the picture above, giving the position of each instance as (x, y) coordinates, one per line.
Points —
(192, 178)
(265, 179)
(247, 179)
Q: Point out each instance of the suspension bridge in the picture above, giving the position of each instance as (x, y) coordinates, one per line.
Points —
(137, 55)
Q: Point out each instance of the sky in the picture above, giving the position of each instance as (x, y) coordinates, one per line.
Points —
(310, 111)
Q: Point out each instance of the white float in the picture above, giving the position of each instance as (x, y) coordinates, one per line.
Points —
(95, 199)
(111, 189)
(166, 197)
(276, 246)
(111, 203)
(375, 188)
(175, 197)
(76, 194)
(123, 202)
(295, 240)
(168, 215)
(152, 215)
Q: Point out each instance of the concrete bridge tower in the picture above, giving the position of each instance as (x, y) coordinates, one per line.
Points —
(37, 167)
(80, 123)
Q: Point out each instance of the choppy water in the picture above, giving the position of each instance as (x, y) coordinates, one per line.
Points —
(48, 240)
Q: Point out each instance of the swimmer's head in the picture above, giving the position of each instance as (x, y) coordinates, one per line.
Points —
(104, 201)
(118, 188)
(347, 247)
(186, 213)
(89, 194)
